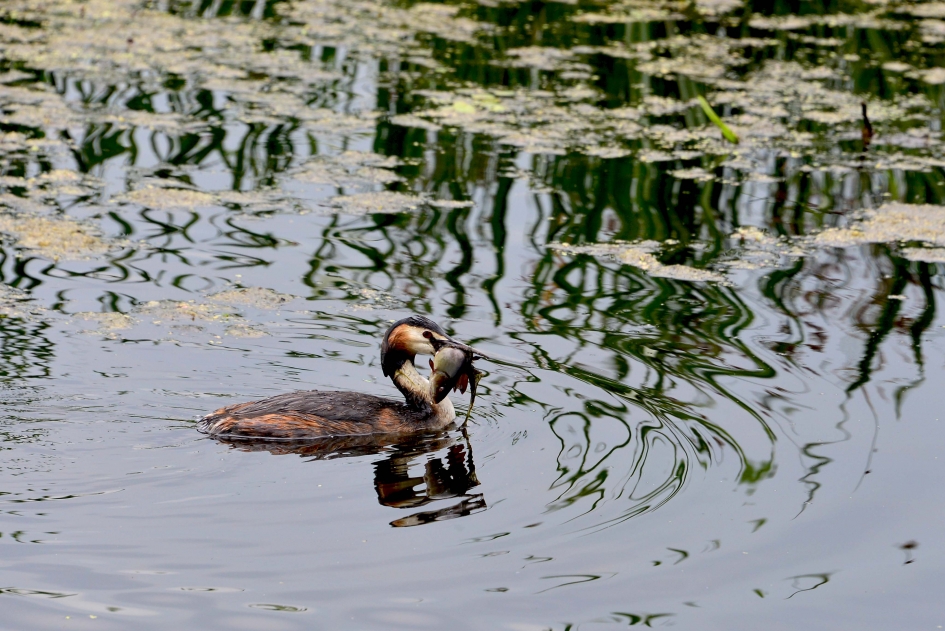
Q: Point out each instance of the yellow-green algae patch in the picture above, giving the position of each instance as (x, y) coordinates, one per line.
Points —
(924, 255)
(106, 322)
(245, 331)
(640, 255)
(890, 223)
(350, 169)
(122, 40)
(378, 202)
(46, 186)
(167, 198)
(170, 198)
(753, 248)
(695, 173)
(16, 303)
(192, 316)
(256, 297)
(54, 238)
(162, 311)
(369, 299)
(631, 12)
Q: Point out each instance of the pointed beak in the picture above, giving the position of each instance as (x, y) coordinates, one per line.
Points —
(473, 352)
(437, 344)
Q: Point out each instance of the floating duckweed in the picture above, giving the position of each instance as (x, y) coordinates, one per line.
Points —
(716, 8)
(244, 330)
(927, 10)
(896, 66)
(131, 119)
(755, 249)
(660, 106)
(60, 176)
(888, 224)
(192, 317)
(55, 238)
(799, 22)
(696, 173)
(370, 299)
(33, 204)
(165, 198)
(378, 202)
(169, 198)
(628, 14)
(410, 120)
(607, 153)
(753, 235)
(12, 181)
(450, 204)
(905, 162)
(108, 321)
(269, 85)
(16, 303)
(257, 297)
(910, 139)
(780, 23)
(378, 27)
(188, 311)
(655, 155)
(640, 255)
(350, 169)
(933, 31)
(935, 76)
(925, 255)
(45, 186)
(256, 201)
(792, 117)
(648, 263)
(541, 58)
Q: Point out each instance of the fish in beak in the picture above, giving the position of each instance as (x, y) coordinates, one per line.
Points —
(449, 372)
(453, 369)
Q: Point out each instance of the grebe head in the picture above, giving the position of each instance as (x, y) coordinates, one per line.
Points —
(452, 365)
(408, 338)
(416, 335)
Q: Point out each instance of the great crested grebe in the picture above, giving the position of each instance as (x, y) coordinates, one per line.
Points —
(321, 414)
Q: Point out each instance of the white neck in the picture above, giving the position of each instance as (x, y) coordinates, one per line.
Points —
(416, 389)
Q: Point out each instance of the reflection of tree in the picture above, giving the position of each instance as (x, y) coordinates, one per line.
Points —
(444, 477)
(26, 353)
(691, 338)
(683, 333)
(403, 256)
(24, 348)
(218, 8)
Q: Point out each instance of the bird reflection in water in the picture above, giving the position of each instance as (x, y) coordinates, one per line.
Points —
(444, 477)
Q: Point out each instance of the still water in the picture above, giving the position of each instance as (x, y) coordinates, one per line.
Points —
(718, 395)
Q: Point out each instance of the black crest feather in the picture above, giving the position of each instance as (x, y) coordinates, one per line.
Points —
(392, 359)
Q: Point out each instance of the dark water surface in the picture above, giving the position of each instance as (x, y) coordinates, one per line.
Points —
(719, 399)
